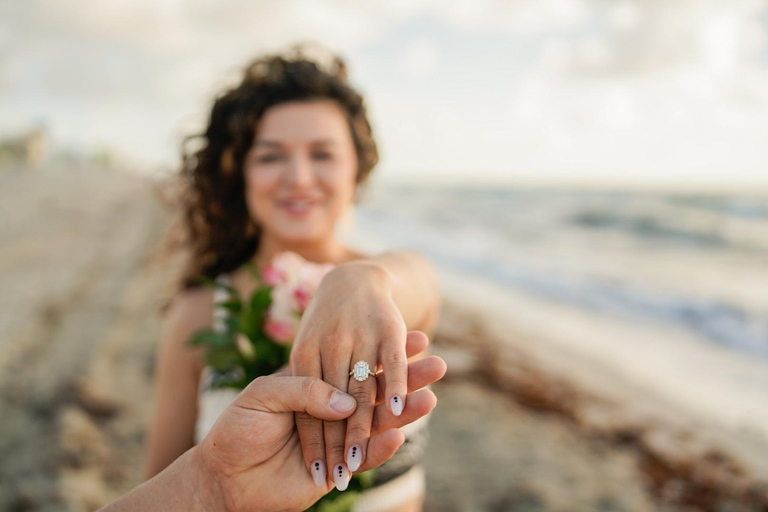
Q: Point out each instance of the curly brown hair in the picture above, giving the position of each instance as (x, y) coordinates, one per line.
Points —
(219, 231)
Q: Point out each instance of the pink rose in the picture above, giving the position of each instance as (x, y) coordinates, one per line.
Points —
(281, 331)
(284, 302)
(283, 268)
(311, 274)
(302, 295)
(294, 282)
(271, 275)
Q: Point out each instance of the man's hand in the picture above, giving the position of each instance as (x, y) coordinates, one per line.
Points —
(251, 460)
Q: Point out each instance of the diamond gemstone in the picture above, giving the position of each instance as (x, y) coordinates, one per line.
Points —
(361, 371)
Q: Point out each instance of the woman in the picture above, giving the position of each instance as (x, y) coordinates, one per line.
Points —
(281, 162)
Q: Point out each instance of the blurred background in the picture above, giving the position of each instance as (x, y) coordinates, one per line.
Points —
(588, 176)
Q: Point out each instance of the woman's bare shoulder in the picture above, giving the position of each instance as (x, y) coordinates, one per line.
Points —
(191, 301)
(189, 311)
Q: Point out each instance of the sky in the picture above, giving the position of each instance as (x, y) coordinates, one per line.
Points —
(671, 92)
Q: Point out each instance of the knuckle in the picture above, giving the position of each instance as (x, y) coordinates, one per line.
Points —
(252, 392)
(298, 361)
(339, 347)
(363, 394)
(306, 422)
(392, 333)
(395, 358)
(335, 449)
(257, 382)
(309, 385)
(334, 437)
(358, 430)
(312, 445)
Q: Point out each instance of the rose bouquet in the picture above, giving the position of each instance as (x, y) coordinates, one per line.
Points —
(258, 333)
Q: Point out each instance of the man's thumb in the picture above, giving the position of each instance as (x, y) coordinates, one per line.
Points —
(297, 394)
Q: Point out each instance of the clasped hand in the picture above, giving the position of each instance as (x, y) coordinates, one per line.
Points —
(253, 451)
(251, 459)
(352, 318)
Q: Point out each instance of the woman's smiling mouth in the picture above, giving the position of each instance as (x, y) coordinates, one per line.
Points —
(297, 207)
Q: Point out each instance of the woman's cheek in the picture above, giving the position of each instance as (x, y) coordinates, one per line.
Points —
(259, 186)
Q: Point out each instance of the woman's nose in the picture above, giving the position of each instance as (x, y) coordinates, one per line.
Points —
(300, 171)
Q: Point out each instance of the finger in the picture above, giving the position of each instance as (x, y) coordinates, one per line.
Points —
(296, 394)
(359, 423)
(420, 404)
(382, 447)
(336, 372)
(283, 371)
(420, 373)
(309, 427)
(395, 364)
(415, 343)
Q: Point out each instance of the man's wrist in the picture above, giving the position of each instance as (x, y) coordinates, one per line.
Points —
(208, 495)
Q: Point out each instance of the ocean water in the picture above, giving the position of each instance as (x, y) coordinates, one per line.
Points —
(700, 262)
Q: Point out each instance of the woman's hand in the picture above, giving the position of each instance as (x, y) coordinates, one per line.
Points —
(352, 317)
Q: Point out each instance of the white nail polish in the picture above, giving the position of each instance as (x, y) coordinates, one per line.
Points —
(318, 472)
(341, 476)
(396, 403)
(354, 457)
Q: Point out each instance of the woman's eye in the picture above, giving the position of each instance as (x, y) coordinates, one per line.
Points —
(265, 159)
(321, 155)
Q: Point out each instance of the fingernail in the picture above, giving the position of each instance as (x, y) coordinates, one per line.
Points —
(342, 402)
(318, 472)
(354, 457)
(396, 403)
(341, 477)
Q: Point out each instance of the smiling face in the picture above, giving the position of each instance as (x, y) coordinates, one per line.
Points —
(300, 172)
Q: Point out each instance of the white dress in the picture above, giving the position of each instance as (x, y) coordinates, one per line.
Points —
(399, 480)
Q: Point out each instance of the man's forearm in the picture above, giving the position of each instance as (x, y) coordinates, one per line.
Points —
(182, 486)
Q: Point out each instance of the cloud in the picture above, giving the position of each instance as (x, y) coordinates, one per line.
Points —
(663, 91)
(420, 58)
(521, 16)
(585, 87)
(170, 57)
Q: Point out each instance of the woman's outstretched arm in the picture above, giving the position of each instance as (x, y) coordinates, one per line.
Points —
(361, 312)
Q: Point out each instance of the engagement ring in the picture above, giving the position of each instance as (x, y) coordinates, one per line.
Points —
(361, 371)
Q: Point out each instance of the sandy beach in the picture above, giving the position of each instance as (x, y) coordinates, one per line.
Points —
(540, 410)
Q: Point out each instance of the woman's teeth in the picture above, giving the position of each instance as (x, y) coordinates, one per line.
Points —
(298, 206)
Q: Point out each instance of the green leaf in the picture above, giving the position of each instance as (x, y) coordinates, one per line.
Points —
(250, 323)
(337, 502)
(235, 384)
(261, 298)
(213, 283)
(232, 324)
(253, 270)
(232, 305)
(224, 359)
(366, 478)
(210, 338)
